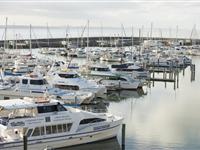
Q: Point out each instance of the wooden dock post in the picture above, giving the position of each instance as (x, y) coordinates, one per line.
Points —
(153, 76)
(25, 142)
(192, 68)
(184, 71)
(164, 73)
(123, 136)
(174, 80)
(177, 80)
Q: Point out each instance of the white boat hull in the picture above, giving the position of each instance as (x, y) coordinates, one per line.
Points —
(66, 141)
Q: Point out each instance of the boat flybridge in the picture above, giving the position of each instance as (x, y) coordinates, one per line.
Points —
(47, 122)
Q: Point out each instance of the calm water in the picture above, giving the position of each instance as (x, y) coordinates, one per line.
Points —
(164, 118)
(158, 118)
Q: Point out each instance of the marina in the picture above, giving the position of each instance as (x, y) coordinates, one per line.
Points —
(113, 95)
(99, 85)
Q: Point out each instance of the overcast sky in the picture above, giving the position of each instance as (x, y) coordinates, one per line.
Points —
(113, 13)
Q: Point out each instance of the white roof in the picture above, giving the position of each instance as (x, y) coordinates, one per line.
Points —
(16, 104)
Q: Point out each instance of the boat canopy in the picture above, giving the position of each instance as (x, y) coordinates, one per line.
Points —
(16, 104)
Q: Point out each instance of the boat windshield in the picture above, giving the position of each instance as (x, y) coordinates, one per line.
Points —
(69, 75)
(102, 69)
(38, 82)
(51, 108)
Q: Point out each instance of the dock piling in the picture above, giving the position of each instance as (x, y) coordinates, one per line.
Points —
(123, 136)
(192, 68)
(25, 142)
(177, 80)
(174, 80)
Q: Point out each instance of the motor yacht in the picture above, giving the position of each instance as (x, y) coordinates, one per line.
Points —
(71, 80)
(48, 123)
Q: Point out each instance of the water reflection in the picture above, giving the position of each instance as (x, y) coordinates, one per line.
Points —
(164, 118)
(117, 96)
(102, 145)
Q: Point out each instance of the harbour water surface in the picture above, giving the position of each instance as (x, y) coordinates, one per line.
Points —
(164, 118)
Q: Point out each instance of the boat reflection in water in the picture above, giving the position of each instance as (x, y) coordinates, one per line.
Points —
(101, 145)
(125, 94)
(101, 105)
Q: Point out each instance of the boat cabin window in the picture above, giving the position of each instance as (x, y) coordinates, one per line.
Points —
(38, 82)
(54, 129)
(24, 81)
(64, 128)
(36, 132)
(102, 69)
(122, 79)
(51, 108)
(67, 87)
(115, 78)
(29, 132)
(42, 130)
(91, 120)
(48, 130)
(68, 75)
(59, 128)
(61, 107)
(99, 69)
(47, 109)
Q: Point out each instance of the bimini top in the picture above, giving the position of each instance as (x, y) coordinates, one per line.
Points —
(16, 104)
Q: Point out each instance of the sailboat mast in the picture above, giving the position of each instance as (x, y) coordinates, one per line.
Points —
(176, 33)
(88, 24)
(102, 43)
(132, 42)
(140, 41)
(30, 42)
(66, 37)
(122, 36)
(88, 34)
(151, 32)
(192, 34)
(5, 37)
(48, 34)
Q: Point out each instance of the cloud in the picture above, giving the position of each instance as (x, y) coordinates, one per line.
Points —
(162, 14)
